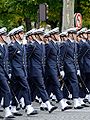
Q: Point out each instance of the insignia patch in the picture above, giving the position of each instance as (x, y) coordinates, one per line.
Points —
(18, 51)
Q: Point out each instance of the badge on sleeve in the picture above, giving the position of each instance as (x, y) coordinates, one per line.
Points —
(18, 51)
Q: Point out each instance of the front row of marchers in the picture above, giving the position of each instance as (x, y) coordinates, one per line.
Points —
(49, 63)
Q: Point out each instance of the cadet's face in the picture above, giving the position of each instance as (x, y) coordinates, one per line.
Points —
(45, 39)
(21, 35)
(29, 38)
(88, 36)
(33, 36)
(57, 36)
(85, 35)
(70, 36)
(4, 37)
(75, 36)
(78, 38)
(41, 36)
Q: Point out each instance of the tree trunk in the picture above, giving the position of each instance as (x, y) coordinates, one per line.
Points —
(28, 24)
(68, 14)
(60, 19)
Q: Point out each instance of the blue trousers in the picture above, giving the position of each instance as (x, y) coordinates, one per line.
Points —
(5, 90)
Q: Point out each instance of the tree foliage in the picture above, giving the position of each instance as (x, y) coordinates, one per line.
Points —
(16, 12)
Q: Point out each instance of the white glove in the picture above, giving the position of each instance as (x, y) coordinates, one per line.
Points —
(62, 74)
(9, 76)
(78, 72)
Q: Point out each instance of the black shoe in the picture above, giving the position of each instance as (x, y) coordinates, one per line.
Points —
(85, 100)
(18, 107)
(78, 107)
(17, 114)
(11, 117)
(33, 113)
(52, 109)
(43, 108)
(36, 100)
(69, 103)
(84, 105)
(54, 100)
(1, 117)
(67, 108)
(1, 109)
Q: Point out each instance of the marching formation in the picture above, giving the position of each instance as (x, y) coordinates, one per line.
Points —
(51, 63)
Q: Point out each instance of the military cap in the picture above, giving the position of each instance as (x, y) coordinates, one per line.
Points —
(46, 34)
(88, 31)
(39, 31)
(31, 32)
(3, 31)
(19, 29)
(83, 30)
(12, 32)
(63, 34)
(53, 31)
(72, 30)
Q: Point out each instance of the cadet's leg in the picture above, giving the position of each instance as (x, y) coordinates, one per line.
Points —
(6, 94)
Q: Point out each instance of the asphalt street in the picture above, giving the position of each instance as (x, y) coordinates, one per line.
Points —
(83, 114)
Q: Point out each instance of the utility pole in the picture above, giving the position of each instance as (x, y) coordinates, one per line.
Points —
(68, 14)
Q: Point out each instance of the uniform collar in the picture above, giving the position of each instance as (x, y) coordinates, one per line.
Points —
(54, 41)
(2, 44)
(38, 41)
(20, 42)
(83, 40)
(71, 40)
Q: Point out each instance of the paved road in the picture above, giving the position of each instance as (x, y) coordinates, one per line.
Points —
(72, 114)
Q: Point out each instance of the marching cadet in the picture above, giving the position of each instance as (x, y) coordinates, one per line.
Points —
(63, 36)
(11, 35)
(37, 67)
(82, 42)
(87, 64)
(53, 67)
(15, 101)
(30, 45)
(30, 40)
(4, 78)
(46, 38)
(68, 60)
(84, 60)
(66, 85)
(17, 57)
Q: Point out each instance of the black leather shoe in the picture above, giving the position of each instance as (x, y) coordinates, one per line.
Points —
(33, 113)
(1, 109)
(18, 107)
(43, 108)
(52, 109)
(36, 100)
(69, 103)
(11, 117)
(84, 105)
(78, 107)
(1, 117)
(85, 100)
(17, 114)
(67, 108)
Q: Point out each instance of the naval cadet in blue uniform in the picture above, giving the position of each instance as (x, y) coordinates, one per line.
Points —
(37, 66)
(30, 44)
(69, 62)
(84, 57)
(4, 78)
(17, 57)
(53, 67)
(82, 46)
(66, 86)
